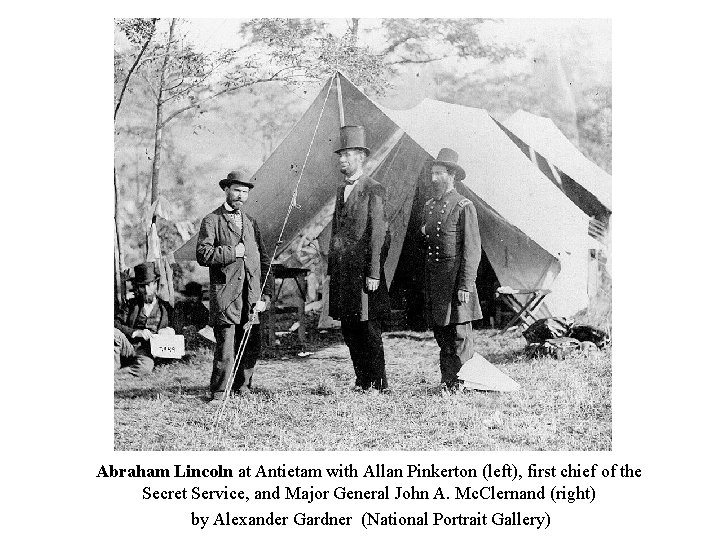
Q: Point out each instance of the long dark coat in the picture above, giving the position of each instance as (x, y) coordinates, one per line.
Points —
(234, 283)
(452, 259)
(358, 248)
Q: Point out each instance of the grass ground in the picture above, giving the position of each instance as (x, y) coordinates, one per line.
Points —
(308, 404)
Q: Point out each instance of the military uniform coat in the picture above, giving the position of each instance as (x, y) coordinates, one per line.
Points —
(453, 255)
(234, 282)
(359, 245)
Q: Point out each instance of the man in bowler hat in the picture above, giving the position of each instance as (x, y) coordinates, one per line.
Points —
(453, 253)
(359, 244)
(230, 244)
(145, 315)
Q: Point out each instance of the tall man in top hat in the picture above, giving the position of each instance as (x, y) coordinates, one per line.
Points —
(359, 244)
(229, 242)
(453, 255)
(145, 315)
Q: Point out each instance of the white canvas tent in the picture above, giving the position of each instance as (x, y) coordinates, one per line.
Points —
(533, 236)
(546, 138)
(584, 182)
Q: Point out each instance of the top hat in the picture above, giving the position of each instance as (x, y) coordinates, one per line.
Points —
(192, 288)
(235, 177)
(145, 273)
(352, 137)
(448, 158)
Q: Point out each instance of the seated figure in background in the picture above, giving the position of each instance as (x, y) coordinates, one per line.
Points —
(144, 315)
(191, 311)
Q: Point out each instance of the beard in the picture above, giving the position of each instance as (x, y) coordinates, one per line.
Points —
(349, 169)
(439, 189)
(236, 204)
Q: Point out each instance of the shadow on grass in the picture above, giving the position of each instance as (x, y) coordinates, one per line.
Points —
(411, 336)
(285, 359)
(149, 393)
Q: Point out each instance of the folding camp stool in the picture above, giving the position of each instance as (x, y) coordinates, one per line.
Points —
(524, 311)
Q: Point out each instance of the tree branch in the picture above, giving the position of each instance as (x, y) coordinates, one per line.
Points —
(132, 69)
(150, 86)
(273, 77)
(396, 44)
(417, 61)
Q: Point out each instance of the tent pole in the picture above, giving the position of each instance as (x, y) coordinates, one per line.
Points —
(340, 99)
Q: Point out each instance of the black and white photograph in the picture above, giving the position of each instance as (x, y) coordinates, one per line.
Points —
(371, 275)
(362, 234)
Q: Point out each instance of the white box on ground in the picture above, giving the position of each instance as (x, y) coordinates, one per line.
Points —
(167, 346)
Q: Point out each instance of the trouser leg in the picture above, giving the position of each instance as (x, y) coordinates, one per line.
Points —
(253, 348)
(364, 339)
(375, 354)
(135, 358)
(224, 357)
(456, 348)
(351, 332)
(123, 349)
(228, 340)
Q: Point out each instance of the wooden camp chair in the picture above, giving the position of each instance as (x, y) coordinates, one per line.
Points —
(525, 310)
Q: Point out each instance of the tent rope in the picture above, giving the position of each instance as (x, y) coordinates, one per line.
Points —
(249, 325)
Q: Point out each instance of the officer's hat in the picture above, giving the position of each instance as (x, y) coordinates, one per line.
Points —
(448, 158)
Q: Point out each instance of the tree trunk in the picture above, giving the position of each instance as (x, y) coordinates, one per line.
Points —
(354, 32)
(119, 256)
(155, 178)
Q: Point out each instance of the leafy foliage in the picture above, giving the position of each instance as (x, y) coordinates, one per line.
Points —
(415, 41)
(595, 124)
(305, 49)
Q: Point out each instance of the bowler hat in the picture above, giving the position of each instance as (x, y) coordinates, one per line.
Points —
(352, 137)
(235, 177)
(145, 273)
(448, 158)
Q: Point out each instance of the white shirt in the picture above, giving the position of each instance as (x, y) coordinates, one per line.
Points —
(147, 308)
(350, 187)
(237, 218)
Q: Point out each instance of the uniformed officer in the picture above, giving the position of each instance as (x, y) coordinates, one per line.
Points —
(453, 254)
